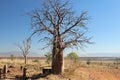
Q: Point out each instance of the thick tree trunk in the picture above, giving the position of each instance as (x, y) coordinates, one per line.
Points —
(57, 56)
(58, 61)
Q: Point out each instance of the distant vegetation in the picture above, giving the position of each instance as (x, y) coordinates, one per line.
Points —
(73, 56)
(12, 57)
(25, 47)
(35, 60)
(48, 56)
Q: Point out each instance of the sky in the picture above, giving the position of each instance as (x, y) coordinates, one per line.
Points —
(104, 26)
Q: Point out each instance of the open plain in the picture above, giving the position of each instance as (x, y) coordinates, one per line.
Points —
(79, 70)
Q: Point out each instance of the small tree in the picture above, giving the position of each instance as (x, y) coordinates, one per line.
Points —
(48, 55)
(12, 57)
(25, 47)
(73, 56)
(117, 63)
(88, 62)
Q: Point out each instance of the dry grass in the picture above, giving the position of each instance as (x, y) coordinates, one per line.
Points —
(34, 66)
(71, 66)
(73, 70)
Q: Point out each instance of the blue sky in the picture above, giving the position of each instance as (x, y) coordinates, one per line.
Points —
(104, 25)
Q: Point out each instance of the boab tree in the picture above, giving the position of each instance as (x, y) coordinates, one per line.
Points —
(25, 47)
(57, 25)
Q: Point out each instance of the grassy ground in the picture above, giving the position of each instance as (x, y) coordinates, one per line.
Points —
(79, 70)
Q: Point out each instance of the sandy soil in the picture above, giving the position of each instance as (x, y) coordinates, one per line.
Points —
(81, 73)
(98, 73)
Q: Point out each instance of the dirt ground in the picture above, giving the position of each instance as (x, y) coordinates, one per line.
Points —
(98, 73)
(84, 73)
(81, 73)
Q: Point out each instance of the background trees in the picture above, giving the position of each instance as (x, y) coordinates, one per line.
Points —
(48, 55)
(25, 47)
(12, 57)
(73, 56)
(58, 26)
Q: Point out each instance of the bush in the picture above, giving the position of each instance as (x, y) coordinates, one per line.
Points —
(73, 56)
(36, 60)
(49, 57)
(88, 62)
(11, 57)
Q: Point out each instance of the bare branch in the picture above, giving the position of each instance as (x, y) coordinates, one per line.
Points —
(25, 47)
(38, 21)
(57, 19)
(79, 22)
(78, 41)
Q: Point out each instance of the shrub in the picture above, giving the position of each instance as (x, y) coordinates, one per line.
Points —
(11, 57)
(73, 56)
(48, 55)
(36, 60)
(88, 62)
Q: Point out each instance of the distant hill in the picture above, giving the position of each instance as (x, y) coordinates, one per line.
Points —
(99, 58)
(19, 54)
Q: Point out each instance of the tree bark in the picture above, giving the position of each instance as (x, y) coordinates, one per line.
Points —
(58, 62)
(25, 61)
(57, 56)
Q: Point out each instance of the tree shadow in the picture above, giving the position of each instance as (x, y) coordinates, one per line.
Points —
(33, 77)
(20, 77)
(40, 75)
(45, 73)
